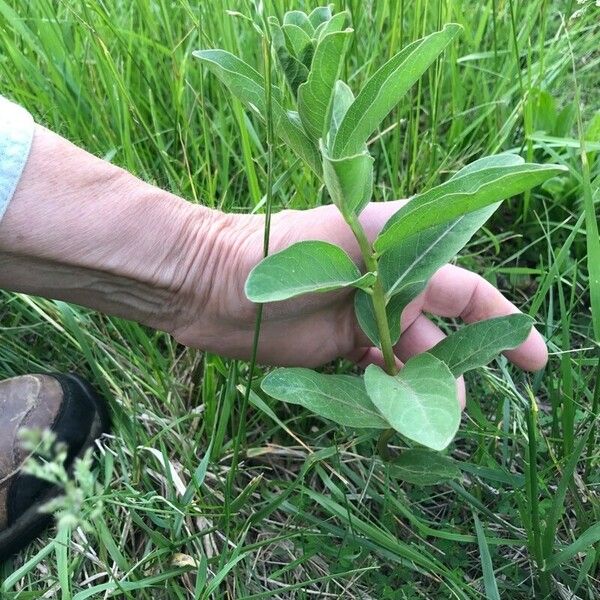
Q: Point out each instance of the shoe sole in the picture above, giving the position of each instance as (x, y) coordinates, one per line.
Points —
(32, 522)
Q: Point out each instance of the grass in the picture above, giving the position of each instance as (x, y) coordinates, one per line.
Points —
(310, 513)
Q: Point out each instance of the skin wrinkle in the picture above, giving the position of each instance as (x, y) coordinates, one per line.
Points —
(200, 245)
(212, 253)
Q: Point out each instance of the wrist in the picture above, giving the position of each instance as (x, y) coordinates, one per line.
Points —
(87, 232)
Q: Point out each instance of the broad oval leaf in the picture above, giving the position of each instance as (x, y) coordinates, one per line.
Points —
(302, 268)
(424, 467)
(461, 195)
(248, 86)
(300, 19)
(319, 15)
(477, 344)
(420, 402)
(315, 95)
(340, 398)
(349, 181)
(408, 266)
(385, 89)
(243, 81)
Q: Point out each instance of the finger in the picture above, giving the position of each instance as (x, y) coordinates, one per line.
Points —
(376, 214)
(456, 292)
(363, 357)
(327, 224)
(420, 337)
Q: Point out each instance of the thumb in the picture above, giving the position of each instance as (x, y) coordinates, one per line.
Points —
(376, 214)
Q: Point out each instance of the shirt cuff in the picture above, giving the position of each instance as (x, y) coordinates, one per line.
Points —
(16, 135)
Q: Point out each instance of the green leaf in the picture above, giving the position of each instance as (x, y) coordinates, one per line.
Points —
(320, 15)
(342, 100)
(248, 86)
(336, 23)
(363, 308)
(424, 467)
(408, 266)
(349, 181)
(295, 72)
(385, 89)
(340, 398)
(302, 268)
(461, 195)
(243, 81)
(476, 345)
(300, 19)
(316, 94)
(420, 402)
(297, 40)
(589, 537)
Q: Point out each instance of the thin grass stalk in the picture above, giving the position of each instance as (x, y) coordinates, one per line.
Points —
(591, 445)
(592, 236)
(266, 237)
(535, 534)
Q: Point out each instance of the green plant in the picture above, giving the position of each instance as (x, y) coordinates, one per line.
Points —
(77, 505)
(330, 130)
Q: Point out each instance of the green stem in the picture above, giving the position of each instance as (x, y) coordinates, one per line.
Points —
(535, 535)
(259, 311)
(382, 446)
(383, 328)
(595, 413)
(378, 296)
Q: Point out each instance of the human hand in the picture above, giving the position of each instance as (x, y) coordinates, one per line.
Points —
(84, 231)
(314, 329)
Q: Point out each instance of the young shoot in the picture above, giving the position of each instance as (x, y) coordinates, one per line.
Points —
(329, 130)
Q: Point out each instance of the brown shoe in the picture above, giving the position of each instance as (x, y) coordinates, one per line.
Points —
(65, 404)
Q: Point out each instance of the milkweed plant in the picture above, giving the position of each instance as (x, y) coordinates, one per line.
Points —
(328, 130)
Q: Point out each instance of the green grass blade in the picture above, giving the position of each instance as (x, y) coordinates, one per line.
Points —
(489, 577)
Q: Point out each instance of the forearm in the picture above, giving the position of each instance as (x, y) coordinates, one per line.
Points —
(82, 230)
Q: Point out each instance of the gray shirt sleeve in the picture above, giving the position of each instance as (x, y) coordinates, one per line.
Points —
(16, 134)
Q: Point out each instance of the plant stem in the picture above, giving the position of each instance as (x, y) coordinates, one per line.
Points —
(259, 311)
(535, 535)
(378, 296)
(382, 446)
(595, 412)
